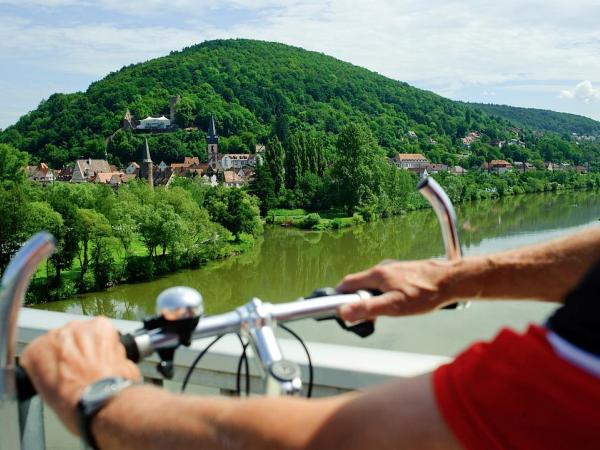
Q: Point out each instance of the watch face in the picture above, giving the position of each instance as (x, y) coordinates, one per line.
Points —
(98, 393)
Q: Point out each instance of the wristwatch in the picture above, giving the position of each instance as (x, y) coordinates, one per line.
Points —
(93, 398)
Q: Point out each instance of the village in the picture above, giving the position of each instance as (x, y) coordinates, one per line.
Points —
(237, 169)
(230, 170)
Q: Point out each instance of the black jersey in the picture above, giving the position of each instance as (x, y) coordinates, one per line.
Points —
(578, 320)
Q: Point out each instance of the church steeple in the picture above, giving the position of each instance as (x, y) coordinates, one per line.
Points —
(148, 166)
(212, 136)
(147, 152)
(212, 140)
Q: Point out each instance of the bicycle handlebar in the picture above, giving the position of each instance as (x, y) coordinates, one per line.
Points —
(256, 318)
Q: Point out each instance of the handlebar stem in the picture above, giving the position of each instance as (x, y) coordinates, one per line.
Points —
(282, 377)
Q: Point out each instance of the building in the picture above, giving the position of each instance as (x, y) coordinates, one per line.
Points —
(147, 167)
(112, 178)
(436, 168)
(212, 139)
(65, 174)
(240, 160)
(410, 161)
(499, 166)
(41, 173)
(133, 168)
(190, 166)
(86, 169)
(232, 179)
(470, 138)
(457, 170)
(516, 142)
(523, 166)
(129, 122)
(154, 123)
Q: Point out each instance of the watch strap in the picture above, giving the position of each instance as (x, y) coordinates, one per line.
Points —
(87, 410)
(84, 423)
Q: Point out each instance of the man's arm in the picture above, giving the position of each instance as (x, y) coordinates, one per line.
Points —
(62, 362)
(544, 271)
(402, 414)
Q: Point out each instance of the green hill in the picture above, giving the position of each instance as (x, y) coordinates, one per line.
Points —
(256, 89)
(543, 119)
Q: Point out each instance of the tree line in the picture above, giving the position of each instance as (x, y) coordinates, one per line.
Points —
(354, 176)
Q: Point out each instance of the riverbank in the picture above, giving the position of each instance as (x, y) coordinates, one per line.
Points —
(135, 267)
(460, 189)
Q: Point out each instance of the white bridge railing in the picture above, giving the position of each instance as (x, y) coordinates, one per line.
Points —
(337, 368)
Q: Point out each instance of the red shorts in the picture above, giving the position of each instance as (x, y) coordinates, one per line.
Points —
(516, 393)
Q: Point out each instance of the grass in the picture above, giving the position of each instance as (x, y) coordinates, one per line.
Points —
(323, 220)
(73, 274)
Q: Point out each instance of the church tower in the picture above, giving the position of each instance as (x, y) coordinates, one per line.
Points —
(213, 146)
(147, 165)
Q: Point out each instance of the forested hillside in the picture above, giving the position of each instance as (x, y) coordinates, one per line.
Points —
(255, 90)
(543, 120)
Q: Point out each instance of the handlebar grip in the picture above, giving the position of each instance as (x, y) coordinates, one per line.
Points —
(25, 389)
(131, 349)
(452, 306)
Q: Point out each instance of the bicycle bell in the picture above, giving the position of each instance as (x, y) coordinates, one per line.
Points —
(179, 302)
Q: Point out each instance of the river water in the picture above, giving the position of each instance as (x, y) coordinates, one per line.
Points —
(289, 263)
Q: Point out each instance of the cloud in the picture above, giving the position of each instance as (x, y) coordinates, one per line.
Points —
(94, 49)
(584, 92)
(42, 3)
(443, 45)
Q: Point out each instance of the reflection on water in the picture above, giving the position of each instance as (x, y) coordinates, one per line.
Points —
(289, 263)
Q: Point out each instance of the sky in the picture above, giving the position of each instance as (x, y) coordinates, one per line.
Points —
(541, 54)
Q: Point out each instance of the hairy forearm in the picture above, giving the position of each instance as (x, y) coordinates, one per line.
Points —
(544, 271)
(400, 413)
(148, 418)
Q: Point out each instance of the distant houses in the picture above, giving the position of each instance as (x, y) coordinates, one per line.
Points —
(499, 166)
(470, 138)
(41, 173)
(86, 169)
(417, 163)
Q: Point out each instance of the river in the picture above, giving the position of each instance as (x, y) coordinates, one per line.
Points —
(288, 263)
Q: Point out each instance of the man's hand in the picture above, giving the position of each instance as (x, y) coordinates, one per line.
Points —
(63, 362)
(408, 287)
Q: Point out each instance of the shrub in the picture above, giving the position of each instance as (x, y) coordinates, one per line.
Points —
(310, 221)
(139, 268)
(107, 271)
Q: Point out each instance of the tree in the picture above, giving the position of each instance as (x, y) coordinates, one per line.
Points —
(12, 164)
(274, 156)
(234, 209)
(12, 202)
(92, 228)
(358, 174)
(263, 187)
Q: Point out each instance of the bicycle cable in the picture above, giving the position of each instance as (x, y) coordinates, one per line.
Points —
(242, 360)
(310, 364)
(197, 360)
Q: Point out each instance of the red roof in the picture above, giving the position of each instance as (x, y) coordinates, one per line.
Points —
(500, 162)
